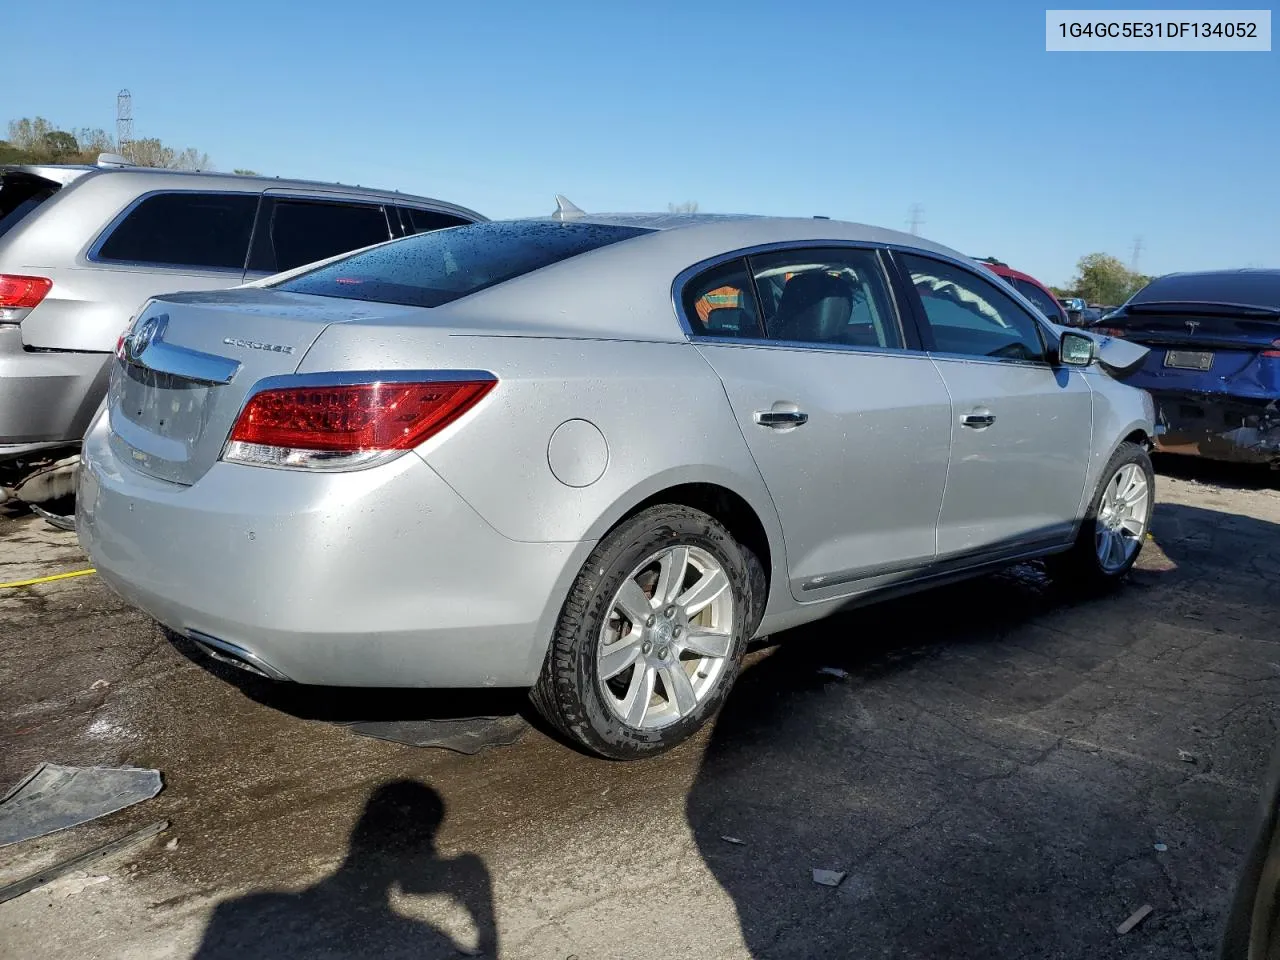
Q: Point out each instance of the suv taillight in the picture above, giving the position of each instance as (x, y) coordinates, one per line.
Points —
(347, 426)
(1275, 349)
(19, 294)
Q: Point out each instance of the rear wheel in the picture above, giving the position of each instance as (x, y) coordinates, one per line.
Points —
(651, 636)
(1116, 523)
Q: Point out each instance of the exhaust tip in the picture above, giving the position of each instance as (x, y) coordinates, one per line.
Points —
(235, 656)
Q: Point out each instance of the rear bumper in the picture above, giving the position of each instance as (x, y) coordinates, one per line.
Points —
(382, 577)
(1218, 426)
(47, 396)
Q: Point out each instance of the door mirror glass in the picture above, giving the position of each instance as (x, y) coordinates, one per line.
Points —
(1075, 350)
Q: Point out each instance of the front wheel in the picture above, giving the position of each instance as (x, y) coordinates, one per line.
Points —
(1116, 523)
(651, 636)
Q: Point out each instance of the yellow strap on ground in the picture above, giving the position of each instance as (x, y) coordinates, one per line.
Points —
(49, 579)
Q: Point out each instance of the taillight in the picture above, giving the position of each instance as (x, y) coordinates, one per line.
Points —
(343, 427)
(20, 294)
(1275, 351)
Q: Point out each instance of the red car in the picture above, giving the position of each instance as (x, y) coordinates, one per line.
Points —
(1029, 287)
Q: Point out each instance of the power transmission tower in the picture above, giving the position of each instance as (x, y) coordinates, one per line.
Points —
(124, 122)
(1137, 252)
(916, 219)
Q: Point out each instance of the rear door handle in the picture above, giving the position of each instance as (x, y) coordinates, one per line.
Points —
(978, 421)
(781, 418)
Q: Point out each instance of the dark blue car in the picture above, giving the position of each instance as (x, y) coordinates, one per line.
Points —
(1214, 365)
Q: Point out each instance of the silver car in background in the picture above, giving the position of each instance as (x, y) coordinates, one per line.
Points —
(596, 455)
(82, 247)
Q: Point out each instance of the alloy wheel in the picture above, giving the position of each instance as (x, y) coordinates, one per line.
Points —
(1122, 517)
(666, 639)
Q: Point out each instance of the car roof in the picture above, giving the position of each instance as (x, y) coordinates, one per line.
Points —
(642, 273)
(158, 178)
(743, 231)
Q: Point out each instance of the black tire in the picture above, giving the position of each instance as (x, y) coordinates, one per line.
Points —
(1080, 565)
(568, 693)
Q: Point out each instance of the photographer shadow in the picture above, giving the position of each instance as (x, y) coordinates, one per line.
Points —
(350, 914)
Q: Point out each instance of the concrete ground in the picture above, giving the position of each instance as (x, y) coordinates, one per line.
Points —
(993, 777)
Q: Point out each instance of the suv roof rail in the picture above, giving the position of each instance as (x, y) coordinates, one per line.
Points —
(112, 160)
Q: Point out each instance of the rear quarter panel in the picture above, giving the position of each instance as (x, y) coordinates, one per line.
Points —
(660, 408)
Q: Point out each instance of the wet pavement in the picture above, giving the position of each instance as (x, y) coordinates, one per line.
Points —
(992, 776)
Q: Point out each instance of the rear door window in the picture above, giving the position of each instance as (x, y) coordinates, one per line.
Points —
(184, 229)
(292, 233)
(835, 296)
(439, 267)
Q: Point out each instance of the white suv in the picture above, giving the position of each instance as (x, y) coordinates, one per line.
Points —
(82, 247)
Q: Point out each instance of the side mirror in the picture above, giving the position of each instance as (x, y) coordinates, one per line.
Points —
(1075, 350)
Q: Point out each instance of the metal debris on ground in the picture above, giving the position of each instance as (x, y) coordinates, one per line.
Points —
(835, 672)
(39, 879)
(53, 797)
(828, 878)
(1138, 916)
(733, 840)
(1186, 757)
(469, 735)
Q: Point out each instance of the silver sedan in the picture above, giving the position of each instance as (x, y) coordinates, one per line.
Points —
(597, 455)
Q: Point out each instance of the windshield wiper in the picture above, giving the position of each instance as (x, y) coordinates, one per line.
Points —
(1202, 306)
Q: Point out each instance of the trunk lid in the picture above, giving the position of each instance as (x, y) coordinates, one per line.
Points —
(1195, 326)
(1200, 347)
(189, 362)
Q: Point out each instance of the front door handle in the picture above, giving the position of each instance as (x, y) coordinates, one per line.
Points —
(781, 418)
(978, 421)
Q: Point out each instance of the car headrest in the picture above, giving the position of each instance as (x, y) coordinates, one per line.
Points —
(814, 307)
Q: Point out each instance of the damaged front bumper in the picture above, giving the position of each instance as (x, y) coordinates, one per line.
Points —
(1218, 426)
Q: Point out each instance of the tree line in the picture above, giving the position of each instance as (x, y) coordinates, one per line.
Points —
(1102, 278)
(36, 140)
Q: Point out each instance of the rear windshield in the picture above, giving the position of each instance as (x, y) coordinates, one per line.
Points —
(431, 269)
(19, 195)
(1257, 287)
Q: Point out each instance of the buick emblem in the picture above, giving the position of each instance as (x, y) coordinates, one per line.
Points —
(137, 342)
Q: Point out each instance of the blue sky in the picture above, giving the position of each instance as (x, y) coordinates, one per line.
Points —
(855, 111)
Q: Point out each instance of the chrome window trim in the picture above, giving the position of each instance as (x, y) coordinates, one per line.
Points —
(697, 269)
(93, 254)
(755, 342)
